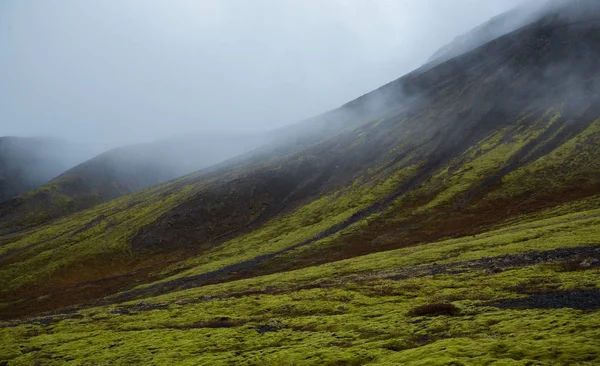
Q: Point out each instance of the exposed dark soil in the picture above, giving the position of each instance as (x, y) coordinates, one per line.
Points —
(497, 264)
(585, 299)
(491, 265)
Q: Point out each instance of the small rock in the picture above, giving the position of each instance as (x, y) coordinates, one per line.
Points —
(46, 321)
(493, 270)
(120, 311)
(586, 263)
(272, 326)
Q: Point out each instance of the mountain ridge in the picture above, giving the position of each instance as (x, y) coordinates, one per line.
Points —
(29, 162)
(118, 172)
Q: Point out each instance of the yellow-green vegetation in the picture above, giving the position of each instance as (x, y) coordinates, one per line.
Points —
(105, 232)
(570, 230)
(576, 162)
(353, 312)
(455, 224)
(300, 225)
(446, 302)
(305, 223)
(84, 236)
(489, 156)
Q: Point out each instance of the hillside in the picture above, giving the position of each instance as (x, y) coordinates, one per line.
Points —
(515, 298)
(508, 22)
(496, 27)
(27, 163)
(449, 217)
(119, 172)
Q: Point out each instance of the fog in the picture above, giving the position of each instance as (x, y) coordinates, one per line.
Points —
(118, 72)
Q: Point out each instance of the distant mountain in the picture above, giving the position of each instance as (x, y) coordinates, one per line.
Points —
(29, 162)
(122, 171)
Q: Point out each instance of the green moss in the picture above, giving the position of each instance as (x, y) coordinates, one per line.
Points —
(298, 226)
(342, 313)
(354, 320)
(573, 163)
(486, 158)
(71, 240)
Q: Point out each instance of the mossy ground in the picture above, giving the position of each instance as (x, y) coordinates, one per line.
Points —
(349, 312)
(346, 313)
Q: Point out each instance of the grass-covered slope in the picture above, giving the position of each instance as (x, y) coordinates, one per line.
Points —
(453, 219)
(457, 149)
(524, 294)
(119, 172)
(105, 177)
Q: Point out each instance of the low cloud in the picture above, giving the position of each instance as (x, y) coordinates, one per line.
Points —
(118, 72)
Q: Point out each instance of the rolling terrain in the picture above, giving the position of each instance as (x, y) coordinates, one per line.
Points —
(119, 172)
(28, 162)
(449, 217)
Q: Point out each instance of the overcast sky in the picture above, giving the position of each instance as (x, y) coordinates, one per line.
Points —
(122, 71)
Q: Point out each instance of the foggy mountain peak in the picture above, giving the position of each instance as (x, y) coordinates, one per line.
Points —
(116, 74)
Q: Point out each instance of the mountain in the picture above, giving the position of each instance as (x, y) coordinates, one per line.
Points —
(29, 162)
(119, 172)
(448, 217)
(508, 22)
(486, 32)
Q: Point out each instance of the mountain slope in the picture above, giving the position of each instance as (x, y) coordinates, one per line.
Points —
(453, 220)
(516, 295)
(27, 163)
(488, 31)
(120, 172)
(510, 21)
(451, 150)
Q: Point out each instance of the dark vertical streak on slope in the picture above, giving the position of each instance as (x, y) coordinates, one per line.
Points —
(433, 165)
(534, 150)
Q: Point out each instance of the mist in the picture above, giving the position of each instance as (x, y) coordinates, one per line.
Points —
(110, 73)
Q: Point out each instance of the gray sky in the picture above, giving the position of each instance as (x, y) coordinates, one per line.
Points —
(123, 71)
